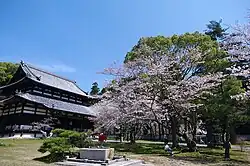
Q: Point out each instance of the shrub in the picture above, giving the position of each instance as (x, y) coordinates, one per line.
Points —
(65, 143)
(59, 148)
(57, 132)
(55, 145)
(76, 139)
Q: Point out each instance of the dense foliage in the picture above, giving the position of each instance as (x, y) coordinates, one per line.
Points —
(7, 70)
(215, 30)
(209, 58)
(95, 89)
(159, 81)
(64, 143)
(181, 83)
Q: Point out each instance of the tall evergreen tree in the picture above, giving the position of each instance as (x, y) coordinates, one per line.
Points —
(95, 89)
(215, 30)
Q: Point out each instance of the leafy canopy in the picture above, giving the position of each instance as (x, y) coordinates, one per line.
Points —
(212, 59)
(7, 70)
(215, 30)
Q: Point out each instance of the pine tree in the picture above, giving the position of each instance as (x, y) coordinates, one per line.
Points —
(95, 89)
(215, 30)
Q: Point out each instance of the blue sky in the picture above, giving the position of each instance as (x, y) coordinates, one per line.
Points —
(78, 38)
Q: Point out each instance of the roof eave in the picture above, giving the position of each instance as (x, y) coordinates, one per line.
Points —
(8, 85)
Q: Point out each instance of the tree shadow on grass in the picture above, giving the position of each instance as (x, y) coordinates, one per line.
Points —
(138, 148)
(48, 159)
(210, 156)
(203, 156)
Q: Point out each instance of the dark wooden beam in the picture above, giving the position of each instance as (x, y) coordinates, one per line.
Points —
(9, 109)
(35, 109)
(3, 109)
(22, 107)
(15, 108)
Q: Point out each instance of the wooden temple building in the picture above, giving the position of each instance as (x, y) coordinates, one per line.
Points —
(33, 94)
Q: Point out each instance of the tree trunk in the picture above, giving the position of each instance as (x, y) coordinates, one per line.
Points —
(151, 131)
(223, 135)
(132, 140)
(209, 134)
(163, 133)
(155, 132)
(233, 136)
(227, 150)
(227, 142)
(194, 126)
(191, 144)
(174, 132)
(159, 128)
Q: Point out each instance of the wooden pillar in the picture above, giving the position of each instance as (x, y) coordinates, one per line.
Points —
(52, 93)
(2, 110)
(15, 108)
(35, 109)
(9, 106)
(82, 123)
(35, 114)
(67, 121)
(22, 107)
(2, 123)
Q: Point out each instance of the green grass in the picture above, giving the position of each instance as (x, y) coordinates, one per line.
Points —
(204, 155)
(245, 143)
(23, 152)
(20, 152)
(149, 142)
(2, 144)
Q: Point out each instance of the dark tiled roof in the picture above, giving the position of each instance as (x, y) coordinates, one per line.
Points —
(50, 79)
(58, 105)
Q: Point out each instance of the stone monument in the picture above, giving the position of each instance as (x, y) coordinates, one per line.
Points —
(98, 157)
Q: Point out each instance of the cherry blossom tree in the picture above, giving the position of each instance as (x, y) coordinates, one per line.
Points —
(157, 86)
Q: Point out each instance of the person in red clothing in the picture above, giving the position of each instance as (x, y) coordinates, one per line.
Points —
(102, 138)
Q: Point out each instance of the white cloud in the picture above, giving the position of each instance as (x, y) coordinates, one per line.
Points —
(58, 68)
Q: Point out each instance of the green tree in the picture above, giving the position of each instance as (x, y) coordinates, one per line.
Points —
(210, 57)
(95, 89)
(222, 112)
(7, 70)
(103, 91)
(215, 30)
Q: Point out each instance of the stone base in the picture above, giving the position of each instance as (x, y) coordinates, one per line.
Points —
(97, 153)
(118, 163)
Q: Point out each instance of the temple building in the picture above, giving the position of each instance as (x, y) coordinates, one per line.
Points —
(33, 94)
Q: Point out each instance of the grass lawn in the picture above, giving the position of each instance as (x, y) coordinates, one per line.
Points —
(23, 152)
(20, 152)
(204, 156)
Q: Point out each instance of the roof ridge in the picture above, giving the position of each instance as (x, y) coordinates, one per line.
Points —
(47, 72)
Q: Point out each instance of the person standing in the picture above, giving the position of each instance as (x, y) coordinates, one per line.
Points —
(102, 138)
